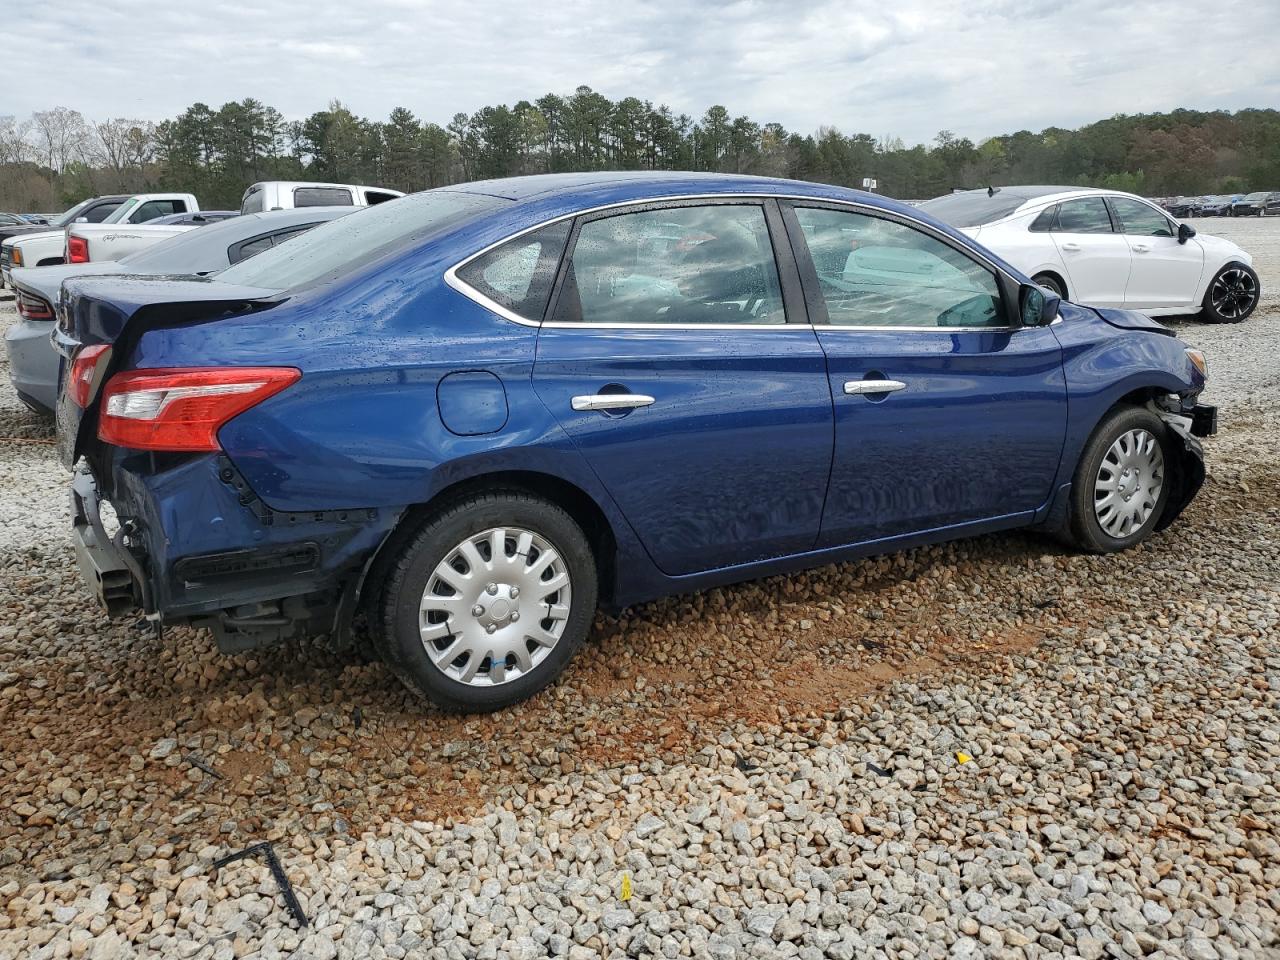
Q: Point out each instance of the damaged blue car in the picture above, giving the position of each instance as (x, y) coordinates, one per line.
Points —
(469, 417)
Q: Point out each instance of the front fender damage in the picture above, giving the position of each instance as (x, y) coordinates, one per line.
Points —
(1188, 474)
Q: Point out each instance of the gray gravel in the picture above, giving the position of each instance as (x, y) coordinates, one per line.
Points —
(774, 770)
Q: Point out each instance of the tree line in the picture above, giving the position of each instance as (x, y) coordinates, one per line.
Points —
(56, 157)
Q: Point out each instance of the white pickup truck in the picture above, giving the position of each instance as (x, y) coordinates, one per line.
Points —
(50, 247)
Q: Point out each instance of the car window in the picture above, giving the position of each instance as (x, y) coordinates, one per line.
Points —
(378, 196)
(972, 208)
(253, 200)
(101, 212)
(1045, 221)
(518, 274)
(248, 248)
(679, 265)
(1086, 215)
(350, 242)
(322, 197)
(157, 208)
(881, 273)
(1139, 219)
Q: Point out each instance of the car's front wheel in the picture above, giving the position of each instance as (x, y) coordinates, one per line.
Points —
(488, 601)
(1121, 482)
(1232, 295)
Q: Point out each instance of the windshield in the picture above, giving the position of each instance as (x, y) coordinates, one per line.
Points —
(972, 207)
(343, 245)
(122, 211)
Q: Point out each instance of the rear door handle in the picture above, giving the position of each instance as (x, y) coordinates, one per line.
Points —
(611, 401)
(1073, 247)
(873, 386)
(1139, 247)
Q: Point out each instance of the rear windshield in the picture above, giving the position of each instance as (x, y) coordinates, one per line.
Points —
(341, 246)
(972, 208)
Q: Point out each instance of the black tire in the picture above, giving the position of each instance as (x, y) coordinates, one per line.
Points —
(1084, 529)
(395, 619)
(1050, 282)
(1228, 313)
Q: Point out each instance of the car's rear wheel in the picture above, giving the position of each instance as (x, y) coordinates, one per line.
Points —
(1121, 482)
(1050, 282)
(1232, 295)
(488, 601)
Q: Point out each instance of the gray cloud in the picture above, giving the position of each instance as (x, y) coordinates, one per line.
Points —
(907, 69)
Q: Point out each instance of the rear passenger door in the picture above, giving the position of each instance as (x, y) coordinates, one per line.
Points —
(1094, 255)
(678, 357)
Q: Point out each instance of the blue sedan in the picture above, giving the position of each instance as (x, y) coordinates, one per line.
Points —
(476, 413)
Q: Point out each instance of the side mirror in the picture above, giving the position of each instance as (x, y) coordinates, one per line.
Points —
(1185, 232)
(1037, 306)
(82, 219)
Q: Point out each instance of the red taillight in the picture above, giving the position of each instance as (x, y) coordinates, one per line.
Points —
(83, 369)
(182, 409)
(77, 250)
(32, 307)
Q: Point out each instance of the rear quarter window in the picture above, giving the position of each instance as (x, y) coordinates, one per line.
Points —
(518, 275)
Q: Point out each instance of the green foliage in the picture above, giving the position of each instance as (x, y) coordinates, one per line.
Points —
(217, 153)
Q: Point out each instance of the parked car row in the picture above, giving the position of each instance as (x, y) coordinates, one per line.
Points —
(111, 227)
(468, 417)
(1104, 248)
(1260, 204)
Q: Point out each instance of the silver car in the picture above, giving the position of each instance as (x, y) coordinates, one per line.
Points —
(33, 363)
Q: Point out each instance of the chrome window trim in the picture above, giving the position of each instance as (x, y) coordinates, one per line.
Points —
(471, 293)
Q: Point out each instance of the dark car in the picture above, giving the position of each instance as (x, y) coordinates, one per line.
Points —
(1263, 203)
(474, 413)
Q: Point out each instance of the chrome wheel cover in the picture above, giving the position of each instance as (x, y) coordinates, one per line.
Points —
(1127, 487)
(1233, 293)
(495, 606)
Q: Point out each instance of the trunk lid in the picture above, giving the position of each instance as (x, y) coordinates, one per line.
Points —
(115, 311)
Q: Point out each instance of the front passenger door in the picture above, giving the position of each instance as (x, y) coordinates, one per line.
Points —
(1165, 273)
(946, 413)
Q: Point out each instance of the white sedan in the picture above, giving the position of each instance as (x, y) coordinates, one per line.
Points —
(1106, 249)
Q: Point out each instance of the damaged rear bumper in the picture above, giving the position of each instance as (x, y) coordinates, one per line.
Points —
(180, 555)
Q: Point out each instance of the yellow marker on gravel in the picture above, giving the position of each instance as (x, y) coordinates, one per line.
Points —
(625, 893)
(962, 757)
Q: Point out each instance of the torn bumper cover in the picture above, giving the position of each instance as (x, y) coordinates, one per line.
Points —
(1186, 424)
(300, 576)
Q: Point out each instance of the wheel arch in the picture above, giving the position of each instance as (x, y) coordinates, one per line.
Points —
(1181, 447)
(570, 497)
(1057, 276)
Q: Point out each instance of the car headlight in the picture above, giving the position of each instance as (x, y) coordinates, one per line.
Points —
(1197, 359)
(15, 259)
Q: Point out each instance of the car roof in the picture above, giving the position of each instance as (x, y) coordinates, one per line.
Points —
(654, 182)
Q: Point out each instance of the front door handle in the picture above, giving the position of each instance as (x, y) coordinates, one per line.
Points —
(1139, 247)
(611, 401)
(873, 386)
(1073, 247)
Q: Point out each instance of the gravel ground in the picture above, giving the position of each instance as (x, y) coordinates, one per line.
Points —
(992, 747)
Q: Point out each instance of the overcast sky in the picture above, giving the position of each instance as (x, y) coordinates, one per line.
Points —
(903, 68)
